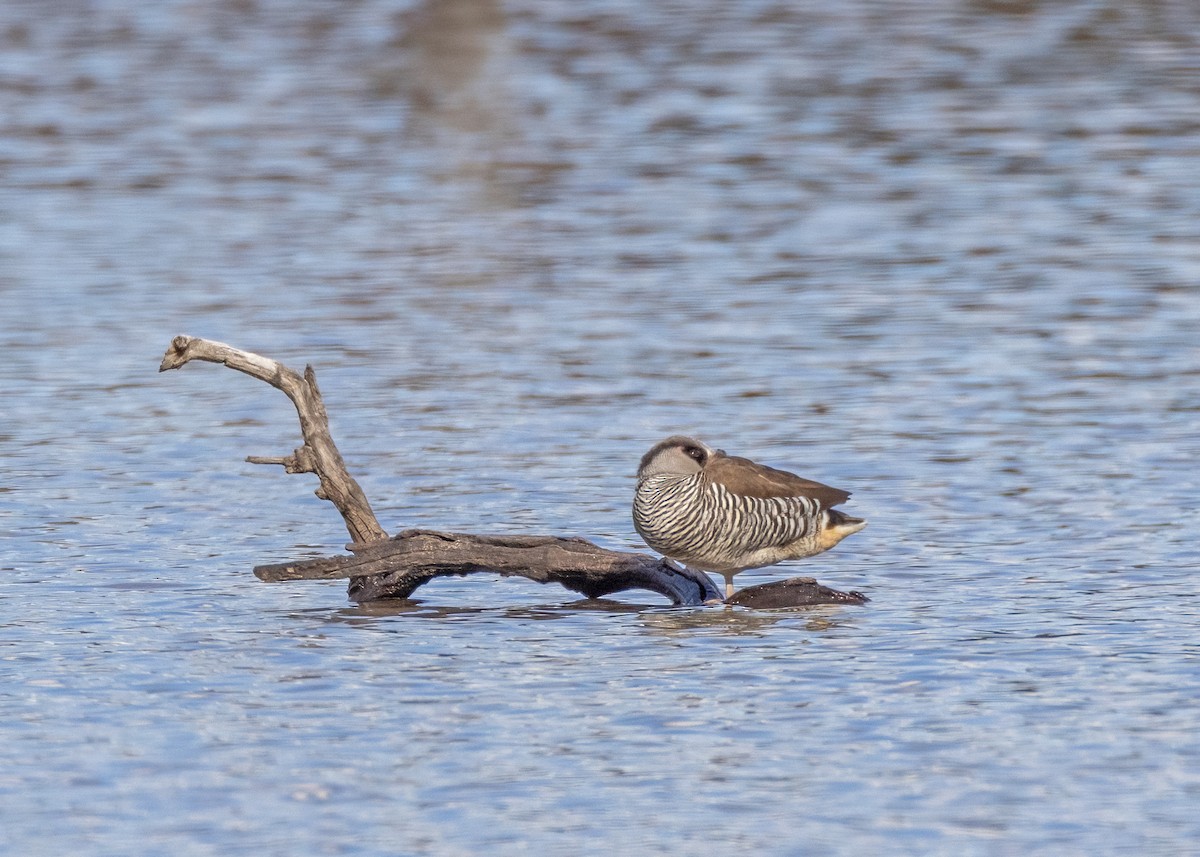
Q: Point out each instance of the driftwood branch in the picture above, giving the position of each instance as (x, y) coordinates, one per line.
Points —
(319, 454)
(395, 567)
(387, 568)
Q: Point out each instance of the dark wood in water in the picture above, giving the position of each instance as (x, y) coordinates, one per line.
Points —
(793, 592)
(318, 454)
(393, 568)
(381, 568)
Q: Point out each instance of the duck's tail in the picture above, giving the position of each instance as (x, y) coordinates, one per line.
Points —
(838, 527)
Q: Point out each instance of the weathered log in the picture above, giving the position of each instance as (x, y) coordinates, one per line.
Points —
(397, 566)
(381, 568)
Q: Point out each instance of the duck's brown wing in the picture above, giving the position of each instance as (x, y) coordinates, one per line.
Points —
(743, 476)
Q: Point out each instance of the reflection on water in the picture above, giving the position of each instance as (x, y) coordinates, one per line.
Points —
(944, 255)
(665, 620)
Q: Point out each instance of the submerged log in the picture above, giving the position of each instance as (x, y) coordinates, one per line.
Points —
(381, 568)
(793, 592)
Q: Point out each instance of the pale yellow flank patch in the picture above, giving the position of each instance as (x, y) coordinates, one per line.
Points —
(830, 536)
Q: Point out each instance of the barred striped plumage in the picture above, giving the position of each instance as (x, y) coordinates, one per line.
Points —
(725, 514)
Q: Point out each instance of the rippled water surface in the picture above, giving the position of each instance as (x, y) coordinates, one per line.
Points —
(943, 254)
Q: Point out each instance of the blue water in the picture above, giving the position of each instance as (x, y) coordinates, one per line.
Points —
(943, 255)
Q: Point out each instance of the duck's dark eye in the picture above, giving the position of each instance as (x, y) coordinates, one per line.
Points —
(694, 452)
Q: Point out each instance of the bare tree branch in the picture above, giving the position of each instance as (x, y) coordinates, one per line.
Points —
(319, 454)
(395, 567)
